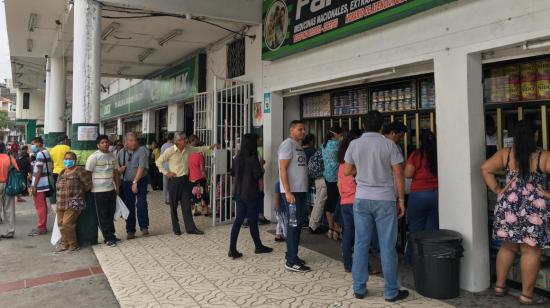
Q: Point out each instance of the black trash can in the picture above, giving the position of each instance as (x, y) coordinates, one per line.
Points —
(436, 261)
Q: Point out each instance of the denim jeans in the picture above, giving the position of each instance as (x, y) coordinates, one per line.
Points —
(382, 215)
(250, 211)
(293, 233)
(422, 214)
(348, 236)
(129, 199)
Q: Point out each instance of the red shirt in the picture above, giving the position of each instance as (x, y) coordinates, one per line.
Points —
(5, 166)
(347, 187)
(196, 163)
(423, 178)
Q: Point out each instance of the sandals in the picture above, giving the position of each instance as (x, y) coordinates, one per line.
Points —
(532, 300)
(503, 291)
(333, 234)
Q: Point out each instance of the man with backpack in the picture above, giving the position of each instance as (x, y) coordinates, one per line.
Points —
(7, 201)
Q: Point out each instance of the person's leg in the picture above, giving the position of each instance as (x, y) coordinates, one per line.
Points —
(348, 236)
(432, 216)
(319, 203)
(291, 239)
(252, 211)
(505, 258)
(129, 199)
(301, 200)
(142, 211)
(9, 214)
(175, 188)
(416, 218)
(330, 206)
(186, 206)
(60, 216)
(101, 212)
(69, 222)
(385, 215)
(165, 189)
(235, 229)
(41, 211)
(363, 228)
(110, 201)
(530, 265)
(205, 198)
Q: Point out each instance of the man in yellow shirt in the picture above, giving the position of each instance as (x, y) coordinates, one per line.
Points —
(179, 186)
(57, 154)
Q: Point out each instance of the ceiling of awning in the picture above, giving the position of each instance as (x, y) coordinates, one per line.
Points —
(53, 34)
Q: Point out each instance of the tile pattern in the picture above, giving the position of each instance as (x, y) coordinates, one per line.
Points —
(194, 271)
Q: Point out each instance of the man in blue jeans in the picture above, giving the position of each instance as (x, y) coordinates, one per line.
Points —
(376, 163)
(133, 163)
(294, 186)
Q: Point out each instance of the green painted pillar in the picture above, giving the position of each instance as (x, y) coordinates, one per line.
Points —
(51, 138)
(31, 130)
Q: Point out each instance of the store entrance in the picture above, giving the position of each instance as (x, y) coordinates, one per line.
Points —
(189, 119)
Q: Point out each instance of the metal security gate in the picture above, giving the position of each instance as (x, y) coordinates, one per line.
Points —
(223, 117)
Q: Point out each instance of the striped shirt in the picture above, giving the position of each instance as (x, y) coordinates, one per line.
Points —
(43, 162)
(102, 166)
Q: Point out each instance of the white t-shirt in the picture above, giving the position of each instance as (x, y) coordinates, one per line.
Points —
(297, 169)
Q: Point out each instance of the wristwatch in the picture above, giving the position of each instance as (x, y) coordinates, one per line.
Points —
(134, 182)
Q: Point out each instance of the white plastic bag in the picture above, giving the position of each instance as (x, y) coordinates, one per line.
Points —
(121, 209)
(56, 234)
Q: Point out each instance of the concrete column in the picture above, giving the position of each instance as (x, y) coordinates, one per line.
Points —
(461, 151)
(19, 104)
(274, 134)
(148, 126)
(85, 110)
(55, 108)
(119, 129)
(86, 75)
(175, 118)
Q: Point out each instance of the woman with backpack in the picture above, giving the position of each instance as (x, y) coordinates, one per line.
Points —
(73, 182)
(330, 173)
(8, 201)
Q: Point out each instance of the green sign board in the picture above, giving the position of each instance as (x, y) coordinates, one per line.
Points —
(291, 26)
(176, 84)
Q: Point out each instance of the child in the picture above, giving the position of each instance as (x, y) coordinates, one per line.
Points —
(280, 211)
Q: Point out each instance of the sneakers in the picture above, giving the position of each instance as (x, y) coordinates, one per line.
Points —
(110, 243)
(145, 232)
(263, 249)
(297, 268)
(130, 236)
(35, 232)
(400, 296)
(300, 261)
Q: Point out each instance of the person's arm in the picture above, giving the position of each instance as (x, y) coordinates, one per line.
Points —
(488, 169)
(283, 168)
(257, 171)
(400, 183)
(410, 166)
(121, 168)
(116, 180)
(86, 179)
(349, 162)
(142, 163)
(164, 157)
(349, 169)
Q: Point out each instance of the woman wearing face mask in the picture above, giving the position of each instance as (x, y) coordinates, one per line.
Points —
(72, 183)
(330, 173)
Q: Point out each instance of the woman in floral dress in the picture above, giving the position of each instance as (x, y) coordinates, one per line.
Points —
(522, 216)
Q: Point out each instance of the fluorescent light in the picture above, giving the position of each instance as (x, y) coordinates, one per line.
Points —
(332, 84)
(29, 45)
(110, 30)
(32, 22)
(173, 34)
(145, 54)
(541, 44)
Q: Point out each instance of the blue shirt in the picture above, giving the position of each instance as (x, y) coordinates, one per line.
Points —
(329, 159)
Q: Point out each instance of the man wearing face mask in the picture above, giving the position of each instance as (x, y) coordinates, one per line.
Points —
(133, 165)
(40, 185)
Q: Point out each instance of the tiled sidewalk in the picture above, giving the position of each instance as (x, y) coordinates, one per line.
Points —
(194, 271)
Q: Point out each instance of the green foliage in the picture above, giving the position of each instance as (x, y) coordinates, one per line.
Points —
(5, 121)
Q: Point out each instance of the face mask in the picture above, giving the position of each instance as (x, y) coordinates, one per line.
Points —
(34, 149)
(68, 163)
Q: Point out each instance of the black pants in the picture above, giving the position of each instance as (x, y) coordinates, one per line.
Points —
(105, 205)
(180, 191)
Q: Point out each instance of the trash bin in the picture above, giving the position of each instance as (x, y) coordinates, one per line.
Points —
(436, 261)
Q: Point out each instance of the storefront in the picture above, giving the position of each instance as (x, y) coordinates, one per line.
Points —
(143, 107)
(442, 58)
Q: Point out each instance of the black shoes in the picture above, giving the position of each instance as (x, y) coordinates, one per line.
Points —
(177, 232)
(359, 295)
(263, 249)
(234, 254)
(9, 235)
(196, 232)
(400, 296)
(300, 261)
(297, 268)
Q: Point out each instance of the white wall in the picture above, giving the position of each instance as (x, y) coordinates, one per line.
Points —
(36, 106)
(291, 112)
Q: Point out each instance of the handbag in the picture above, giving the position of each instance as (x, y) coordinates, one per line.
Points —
(16, 183)
(77, 204)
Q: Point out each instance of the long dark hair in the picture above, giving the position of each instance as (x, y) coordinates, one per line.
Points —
(331, 133)
(428, 147)
(348, 138)
(524, 146)
(249, 148)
